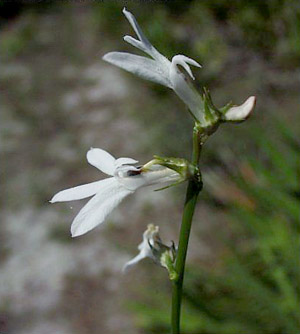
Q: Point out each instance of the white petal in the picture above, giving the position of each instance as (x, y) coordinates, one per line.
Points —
(145, 251)
(190, 61)
(240, 113)
(134, 261)
(141, 66)
(134, 42)
(136, 28)
(185, 91)
(101, 160)
(150, 236)
(125, 161)
(98, 208)
(184, 61)
(80, 192)
(159, 175)
(130, 177)
(144, 43)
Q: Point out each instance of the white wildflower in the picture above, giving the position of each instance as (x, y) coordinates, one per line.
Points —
(159, 69)
(167, 73)
(108, 193)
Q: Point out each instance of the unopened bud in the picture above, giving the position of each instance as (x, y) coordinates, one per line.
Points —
(242, 112)
(229, 113)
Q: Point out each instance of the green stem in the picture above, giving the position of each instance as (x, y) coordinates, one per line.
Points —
(193, 190)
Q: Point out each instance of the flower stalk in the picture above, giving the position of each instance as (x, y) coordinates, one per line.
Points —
(193, 189)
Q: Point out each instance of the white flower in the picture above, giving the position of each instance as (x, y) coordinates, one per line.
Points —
(159, 69)
(108, 193)
(150, 240)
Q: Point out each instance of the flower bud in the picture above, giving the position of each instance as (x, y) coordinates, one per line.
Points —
(215, 116)
(242, 112)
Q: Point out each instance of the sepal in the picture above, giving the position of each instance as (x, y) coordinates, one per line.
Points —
(211, 112)
(165, 256)
(167, 260)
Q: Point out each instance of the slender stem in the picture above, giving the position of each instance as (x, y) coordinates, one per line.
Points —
(193, 190)
(190, 203)
(196, 146)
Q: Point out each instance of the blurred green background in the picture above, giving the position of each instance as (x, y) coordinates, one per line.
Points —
(58, 99)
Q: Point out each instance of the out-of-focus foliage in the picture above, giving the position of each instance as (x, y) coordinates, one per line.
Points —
(254, 287)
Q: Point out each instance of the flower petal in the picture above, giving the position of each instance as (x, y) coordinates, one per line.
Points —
(133, 178)
(101, 160)
(159, 175)
(141, 66)
(184, 90)
(98, 208)
(242, 112)
(134, 261)
(144, 43)
(191, 61)
(125, 161)
(80, 192)
(150, 237)
(134, 42)
(136, 28)
(184, 61)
